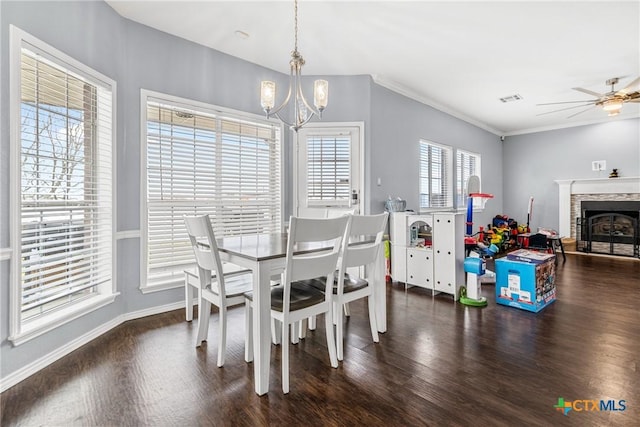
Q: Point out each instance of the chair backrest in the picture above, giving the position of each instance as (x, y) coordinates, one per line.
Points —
(306, 232)
(336, 212)
(363, 240)
(205, 249)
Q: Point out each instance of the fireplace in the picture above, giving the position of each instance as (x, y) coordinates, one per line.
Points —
(612, 227)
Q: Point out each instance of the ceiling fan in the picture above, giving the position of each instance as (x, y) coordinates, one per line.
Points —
(610, 102)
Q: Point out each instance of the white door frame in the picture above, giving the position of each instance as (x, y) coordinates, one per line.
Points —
(364, 209)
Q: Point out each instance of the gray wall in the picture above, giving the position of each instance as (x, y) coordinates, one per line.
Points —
(398, 123)
(532, 162)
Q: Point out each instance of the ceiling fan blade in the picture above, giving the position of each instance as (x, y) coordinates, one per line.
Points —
(570, 102)
(588, 92)
(579, 112)
(627, 89)
(567, 108)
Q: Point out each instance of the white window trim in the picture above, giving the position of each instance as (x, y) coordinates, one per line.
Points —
(478, 205)
(449, 176)
(189, 104)
(19, 333)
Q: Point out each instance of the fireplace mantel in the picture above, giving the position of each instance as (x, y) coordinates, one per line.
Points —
(567, 187)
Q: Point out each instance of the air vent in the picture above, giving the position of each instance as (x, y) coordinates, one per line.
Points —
(511, 98)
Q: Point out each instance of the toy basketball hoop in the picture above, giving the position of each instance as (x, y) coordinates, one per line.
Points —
(483, 197)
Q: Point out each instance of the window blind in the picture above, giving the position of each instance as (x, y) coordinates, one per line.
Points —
(65, 185)
(467, 164)
(435, 188)
(204, 162)
(328, 169)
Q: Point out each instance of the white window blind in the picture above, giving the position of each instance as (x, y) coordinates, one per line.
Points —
(328, 169)
(65, 146)
(467, 164)
(205, 162)
(435, 170)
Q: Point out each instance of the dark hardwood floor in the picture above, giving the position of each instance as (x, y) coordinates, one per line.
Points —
(439, 363)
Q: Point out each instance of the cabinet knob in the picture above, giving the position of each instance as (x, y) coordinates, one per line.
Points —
(438, 251)
(449, 252)
(411, 256)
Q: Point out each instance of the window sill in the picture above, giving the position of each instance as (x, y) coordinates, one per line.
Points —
(161, 286)
(46, 323)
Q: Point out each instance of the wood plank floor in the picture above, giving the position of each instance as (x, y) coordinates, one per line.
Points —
(440, 363)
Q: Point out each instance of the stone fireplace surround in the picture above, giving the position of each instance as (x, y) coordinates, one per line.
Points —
(573, 191)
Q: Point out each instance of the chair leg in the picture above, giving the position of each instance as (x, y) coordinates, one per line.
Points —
(248, 334)
(295, 327)
(372, 318)
(275, 331)
(331, 342)
(204, 313)
(222, 335)
(284, 348)
(312, 323)
(188, 299)
(347, 310)
(339, 331)
(303, 329)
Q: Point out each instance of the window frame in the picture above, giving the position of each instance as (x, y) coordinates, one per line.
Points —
(188, 104)
(21, 331)
(447, 176)
(461, 193)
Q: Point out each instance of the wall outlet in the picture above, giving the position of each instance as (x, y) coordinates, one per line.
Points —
(598, 165)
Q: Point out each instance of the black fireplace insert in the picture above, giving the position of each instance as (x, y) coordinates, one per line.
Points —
(612, 222)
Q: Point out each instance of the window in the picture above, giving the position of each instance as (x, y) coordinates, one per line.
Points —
(63, 186)
(435, 171)
(203, 161)
(467, 164)
(328, 169)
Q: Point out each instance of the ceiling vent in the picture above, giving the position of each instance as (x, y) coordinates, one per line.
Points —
(511, 98)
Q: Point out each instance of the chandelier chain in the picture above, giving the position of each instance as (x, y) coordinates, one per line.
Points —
(295, 27)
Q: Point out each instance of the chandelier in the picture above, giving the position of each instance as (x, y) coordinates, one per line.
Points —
(302, 111)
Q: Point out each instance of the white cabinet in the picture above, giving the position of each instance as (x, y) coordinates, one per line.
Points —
(428, 250)
(448, 252)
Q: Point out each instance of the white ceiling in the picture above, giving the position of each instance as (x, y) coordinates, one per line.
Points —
(459, 57)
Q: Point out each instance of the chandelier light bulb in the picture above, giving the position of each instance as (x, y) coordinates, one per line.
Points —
(320, 94)
(267, 95)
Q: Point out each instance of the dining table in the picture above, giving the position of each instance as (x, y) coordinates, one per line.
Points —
(265, 255)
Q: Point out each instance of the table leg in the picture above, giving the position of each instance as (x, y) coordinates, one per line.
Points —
(261, 328)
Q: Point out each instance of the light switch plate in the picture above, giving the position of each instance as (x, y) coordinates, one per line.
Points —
(598, 165)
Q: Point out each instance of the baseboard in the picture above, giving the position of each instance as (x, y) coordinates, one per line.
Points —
(34, 367)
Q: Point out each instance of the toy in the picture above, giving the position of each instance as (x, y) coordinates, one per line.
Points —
(474, 265)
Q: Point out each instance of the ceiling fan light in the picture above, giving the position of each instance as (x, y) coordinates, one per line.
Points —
(614, 112)
(612, 105)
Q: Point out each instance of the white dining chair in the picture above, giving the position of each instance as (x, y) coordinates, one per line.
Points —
(295, 299)
(329, 213)
(192, 285)
(350, 287)
(214, 288)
